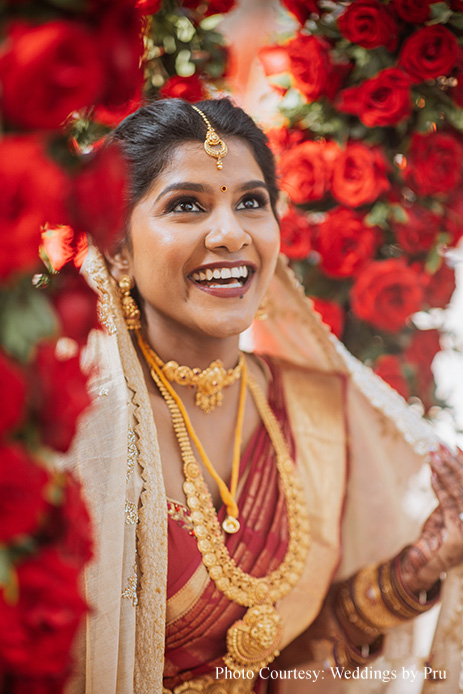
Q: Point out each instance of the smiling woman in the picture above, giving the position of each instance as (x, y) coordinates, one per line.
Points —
(218, 479)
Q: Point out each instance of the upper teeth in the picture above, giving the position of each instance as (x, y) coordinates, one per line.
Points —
(223, 273)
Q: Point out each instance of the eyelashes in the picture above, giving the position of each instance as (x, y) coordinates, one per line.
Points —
(186, 204)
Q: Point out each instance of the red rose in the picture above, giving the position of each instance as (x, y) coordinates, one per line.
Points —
(386, 293)
(76, 305)
(428, 53)
(213, 6)
(34, 192)
(100, 195)
(296, 235)
(370, 24)
(61, 245)
(11, 383)
(50, 609)
(148, 6)
(420, 353)
(440, 287)
(121, 49)
(113, 115)
(434, 163)
(191, 89)
(413, 11)
(304, 172)
(274, 60)
(423, 347)
(381, 100)
(454, 218)
(60, 396)
(22, 491)
(48, 71)
(331, 314)
(311, 67)
(388, 366)
(419, 232)
(282, 139)
(359, 175)
(345, 242)
(301, 9)
(69, 527)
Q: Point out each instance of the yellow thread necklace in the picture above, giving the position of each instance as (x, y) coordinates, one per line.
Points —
(231, 523)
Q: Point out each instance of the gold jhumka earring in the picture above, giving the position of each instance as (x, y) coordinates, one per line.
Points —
(128, 304)
(213, 144)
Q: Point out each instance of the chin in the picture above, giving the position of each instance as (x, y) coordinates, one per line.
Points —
(228, 327)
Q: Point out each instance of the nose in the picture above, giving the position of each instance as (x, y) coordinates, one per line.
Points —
(226, 232)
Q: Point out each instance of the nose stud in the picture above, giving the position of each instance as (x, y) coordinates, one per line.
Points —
(223, 189)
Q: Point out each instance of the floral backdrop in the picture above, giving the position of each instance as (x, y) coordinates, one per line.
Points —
(370, 149)
(368, 137)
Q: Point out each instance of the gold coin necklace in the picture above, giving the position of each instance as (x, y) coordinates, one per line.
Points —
(253, 641)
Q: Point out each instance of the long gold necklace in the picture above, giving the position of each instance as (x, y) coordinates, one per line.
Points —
(231, 523)
(252, 642)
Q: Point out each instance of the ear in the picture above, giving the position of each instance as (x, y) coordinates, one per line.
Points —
(120, 261)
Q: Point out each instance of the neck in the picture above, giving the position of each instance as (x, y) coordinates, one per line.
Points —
(187, 348)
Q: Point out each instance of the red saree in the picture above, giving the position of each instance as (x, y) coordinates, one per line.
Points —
(198, 614)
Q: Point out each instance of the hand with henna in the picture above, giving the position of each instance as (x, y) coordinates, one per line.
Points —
(440, 546)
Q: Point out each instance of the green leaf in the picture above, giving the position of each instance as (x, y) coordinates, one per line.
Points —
(440, 13)
(434, 260)
(26, 316)
(457, 20)
(399, 213)
(8, 577)
(211, 22)
(378, 215)
(454, 115)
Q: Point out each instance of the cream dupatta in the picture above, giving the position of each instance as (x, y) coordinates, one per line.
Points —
(120, 651)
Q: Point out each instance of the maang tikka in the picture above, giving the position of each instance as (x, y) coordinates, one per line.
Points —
(213, 144)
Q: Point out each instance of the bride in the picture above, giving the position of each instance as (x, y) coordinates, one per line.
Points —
(245, 504)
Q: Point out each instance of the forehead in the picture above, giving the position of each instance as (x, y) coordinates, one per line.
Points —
(190, 162)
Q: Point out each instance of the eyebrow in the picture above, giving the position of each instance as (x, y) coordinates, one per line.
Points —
(200, 188)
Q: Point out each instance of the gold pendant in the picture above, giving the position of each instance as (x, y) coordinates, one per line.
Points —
(231, 525)
(252, 642)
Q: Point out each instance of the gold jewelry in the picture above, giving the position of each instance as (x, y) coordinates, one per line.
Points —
(224, 190)
(209, 383)
(129, 307)
(231, 524)
(252, 642)
(262, 311)
(213, 144)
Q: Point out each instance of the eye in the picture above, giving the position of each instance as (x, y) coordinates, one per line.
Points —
(185, 205)
(252, 202)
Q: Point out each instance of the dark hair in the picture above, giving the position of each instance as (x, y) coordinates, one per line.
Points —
(149, 136)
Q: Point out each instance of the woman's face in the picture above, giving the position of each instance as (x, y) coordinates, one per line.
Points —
(204, 242)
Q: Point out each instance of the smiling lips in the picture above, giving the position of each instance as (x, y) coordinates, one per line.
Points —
(223, 281)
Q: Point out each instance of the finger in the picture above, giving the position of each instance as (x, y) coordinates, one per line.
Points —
(450, 476)
(447, 501)
(450, 507)
(453, 461)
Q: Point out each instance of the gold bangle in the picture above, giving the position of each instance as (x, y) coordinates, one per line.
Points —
(390, 596)
(348, 615)
(368, 600)
(349, 657)
(417, 604)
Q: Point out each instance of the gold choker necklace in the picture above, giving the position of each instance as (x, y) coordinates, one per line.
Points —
(252, 642)
(209, 383)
